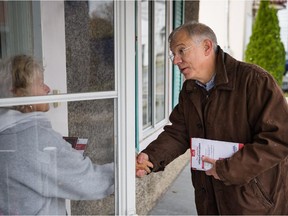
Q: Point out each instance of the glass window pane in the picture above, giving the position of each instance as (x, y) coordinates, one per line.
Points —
(159, 50)
(89, 29)
(16, 34)
(146, 68)
(34, 159)
(94, 120)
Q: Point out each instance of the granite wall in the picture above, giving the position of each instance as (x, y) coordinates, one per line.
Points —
(150, 188)
(90, 68)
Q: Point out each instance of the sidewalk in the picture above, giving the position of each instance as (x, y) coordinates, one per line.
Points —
(179, 198)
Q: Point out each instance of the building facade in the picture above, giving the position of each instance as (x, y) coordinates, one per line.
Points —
(111, 80)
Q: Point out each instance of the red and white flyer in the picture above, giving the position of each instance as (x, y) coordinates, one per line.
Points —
(77, 143)
(211, 148)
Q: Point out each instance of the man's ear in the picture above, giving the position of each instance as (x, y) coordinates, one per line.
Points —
(208, 46)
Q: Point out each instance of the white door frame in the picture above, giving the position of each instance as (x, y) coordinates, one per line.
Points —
(125, 67)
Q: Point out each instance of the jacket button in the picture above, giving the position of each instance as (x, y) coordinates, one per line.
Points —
(203, 190)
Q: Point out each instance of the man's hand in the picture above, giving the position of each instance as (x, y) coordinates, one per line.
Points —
(212, 171)
(143, 165)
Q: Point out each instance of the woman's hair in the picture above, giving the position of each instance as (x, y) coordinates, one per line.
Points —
(196, 31)
(17, 74)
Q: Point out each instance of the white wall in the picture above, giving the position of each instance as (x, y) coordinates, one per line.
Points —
(283, 22)
(53, 51)
(228, 19)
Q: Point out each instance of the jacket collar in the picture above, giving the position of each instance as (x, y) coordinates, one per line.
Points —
(225, 72)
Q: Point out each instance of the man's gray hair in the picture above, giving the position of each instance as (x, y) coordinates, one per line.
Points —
(197, 31)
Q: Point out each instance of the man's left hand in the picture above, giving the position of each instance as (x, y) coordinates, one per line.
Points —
(212, 171)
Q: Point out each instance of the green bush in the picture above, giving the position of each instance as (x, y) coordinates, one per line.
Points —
(265, 47)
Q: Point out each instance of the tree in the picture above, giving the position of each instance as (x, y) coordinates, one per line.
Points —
(265, 47)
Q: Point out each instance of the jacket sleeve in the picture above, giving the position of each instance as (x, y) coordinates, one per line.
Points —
(268, 118)
(172, 142)
(70, 175)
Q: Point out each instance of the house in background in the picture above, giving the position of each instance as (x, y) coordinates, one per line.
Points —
(107, 65)
(232, 22)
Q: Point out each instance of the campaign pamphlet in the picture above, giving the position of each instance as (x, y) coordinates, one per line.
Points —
(211, 148)
(77, 143)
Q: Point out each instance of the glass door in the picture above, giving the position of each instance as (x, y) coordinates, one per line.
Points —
(76, 42)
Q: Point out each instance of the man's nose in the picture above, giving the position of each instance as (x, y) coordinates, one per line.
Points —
(177, 59)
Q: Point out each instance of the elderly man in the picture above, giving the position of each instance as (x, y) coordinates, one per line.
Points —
(227, 100)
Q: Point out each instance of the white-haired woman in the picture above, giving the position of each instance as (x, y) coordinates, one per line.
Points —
(39, 170)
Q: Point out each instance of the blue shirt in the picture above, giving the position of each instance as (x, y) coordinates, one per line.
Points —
(209, 85)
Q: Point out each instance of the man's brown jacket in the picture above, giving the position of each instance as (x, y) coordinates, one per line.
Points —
(246, 106)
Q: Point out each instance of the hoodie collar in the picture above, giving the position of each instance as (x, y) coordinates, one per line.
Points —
(10, 118)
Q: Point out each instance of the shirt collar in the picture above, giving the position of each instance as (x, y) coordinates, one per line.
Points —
(209, 85)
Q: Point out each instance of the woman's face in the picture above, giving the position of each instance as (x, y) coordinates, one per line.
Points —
(39, 88)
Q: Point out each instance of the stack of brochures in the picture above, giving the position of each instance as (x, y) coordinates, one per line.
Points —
(211, 148)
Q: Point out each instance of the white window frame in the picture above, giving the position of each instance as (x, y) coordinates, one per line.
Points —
(125, 67)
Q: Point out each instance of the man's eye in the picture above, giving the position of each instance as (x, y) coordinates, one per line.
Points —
(181, 51)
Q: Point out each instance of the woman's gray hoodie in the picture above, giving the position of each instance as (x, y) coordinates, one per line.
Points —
(39, 170)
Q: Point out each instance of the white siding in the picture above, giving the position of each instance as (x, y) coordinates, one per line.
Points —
(283, 22)
(228, 19)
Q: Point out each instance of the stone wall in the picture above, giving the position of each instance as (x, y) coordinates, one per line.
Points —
(151, 187)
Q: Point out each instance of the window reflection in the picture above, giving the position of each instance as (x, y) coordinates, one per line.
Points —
(146, 65)
(159, 46)
(89, 30)
(89, 34)
(153, 39)
(16, 34)
(94, 120)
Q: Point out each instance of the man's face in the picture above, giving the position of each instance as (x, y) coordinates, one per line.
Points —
(189, 56)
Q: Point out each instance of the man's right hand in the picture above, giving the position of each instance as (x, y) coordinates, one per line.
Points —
(143, 165)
